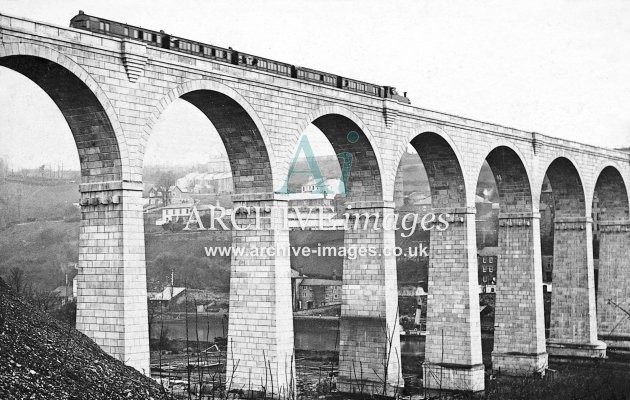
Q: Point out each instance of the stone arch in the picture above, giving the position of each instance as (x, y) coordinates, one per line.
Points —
(567, 188)
(111, 260)
(612, 194)
(518, 349)
(572, 318)
(99, 137)
(512, 179)
(450, 263)
(438, 137)
(443, 168)
(611, 222)
(250, 153)
(365, 180)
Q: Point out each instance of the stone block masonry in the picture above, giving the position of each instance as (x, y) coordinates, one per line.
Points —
(613, 299)
(112, 290)
(573, 329)
(113, 91)
(453, 345)
(519, 327)
(260, 329)
(369, 335)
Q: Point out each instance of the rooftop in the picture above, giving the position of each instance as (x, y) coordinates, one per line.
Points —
(167, 294)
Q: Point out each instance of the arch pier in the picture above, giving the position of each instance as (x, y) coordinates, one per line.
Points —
(519, 333)
(613, 295)
(260, 328)
(453, 342)
(369, 334)
(112, 290)
(573, 331)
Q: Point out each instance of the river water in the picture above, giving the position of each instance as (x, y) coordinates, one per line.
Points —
(310, 334)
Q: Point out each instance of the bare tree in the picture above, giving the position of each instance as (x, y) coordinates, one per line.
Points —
(165, 181)
(16, 280)
(41, 298)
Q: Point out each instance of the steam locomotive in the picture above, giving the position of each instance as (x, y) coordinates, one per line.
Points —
(166, 41)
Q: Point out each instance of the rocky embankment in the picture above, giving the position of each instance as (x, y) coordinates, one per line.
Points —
(42, 358)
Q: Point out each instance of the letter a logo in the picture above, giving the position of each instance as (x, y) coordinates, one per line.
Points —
(313, 168)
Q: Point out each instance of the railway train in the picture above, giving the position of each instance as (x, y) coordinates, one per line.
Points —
(166, 41)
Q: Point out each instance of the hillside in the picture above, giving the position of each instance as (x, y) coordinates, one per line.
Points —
(26, 202)
(45, 251)
(183, 254)
(42, 358)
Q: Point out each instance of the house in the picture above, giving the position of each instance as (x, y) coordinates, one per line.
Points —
(157, 195)
(219, 162)
(174, 212)
(417, 300)
(410, 290)
(331, 186)
(64, 294)
(296, 280)
(165, 297)
(487, 220)
(313, 293)
(487, 269)
(178, 195)
(215, 182)
(67, 293)
(312, 186)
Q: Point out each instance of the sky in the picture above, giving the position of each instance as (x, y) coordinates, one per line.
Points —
(560, 68)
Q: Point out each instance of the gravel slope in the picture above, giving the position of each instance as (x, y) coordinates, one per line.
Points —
(42, 358)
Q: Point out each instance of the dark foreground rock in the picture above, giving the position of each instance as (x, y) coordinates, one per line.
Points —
(42, 358)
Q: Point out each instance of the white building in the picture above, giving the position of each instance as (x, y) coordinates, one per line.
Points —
(174, 212)
(330, 186)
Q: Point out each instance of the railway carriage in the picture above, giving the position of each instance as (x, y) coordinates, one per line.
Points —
(108, 27)
(265, 64)
(166, 41)
(312, 75)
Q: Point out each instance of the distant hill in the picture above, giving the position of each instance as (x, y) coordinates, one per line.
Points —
(414, 175)
(21, 202)
(314, 266)
(183, 254)
(43, 250)
(409, 271)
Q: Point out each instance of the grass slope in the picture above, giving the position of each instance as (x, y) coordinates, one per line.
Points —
(42, 249)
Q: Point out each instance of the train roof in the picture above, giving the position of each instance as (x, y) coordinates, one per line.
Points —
(83, 14)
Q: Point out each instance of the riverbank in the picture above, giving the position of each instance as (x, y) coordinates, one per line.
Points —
(316, 373)
(316, 355)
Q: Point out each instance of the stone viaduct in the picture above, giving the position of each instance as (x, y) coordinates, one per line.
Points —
(112, 91)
